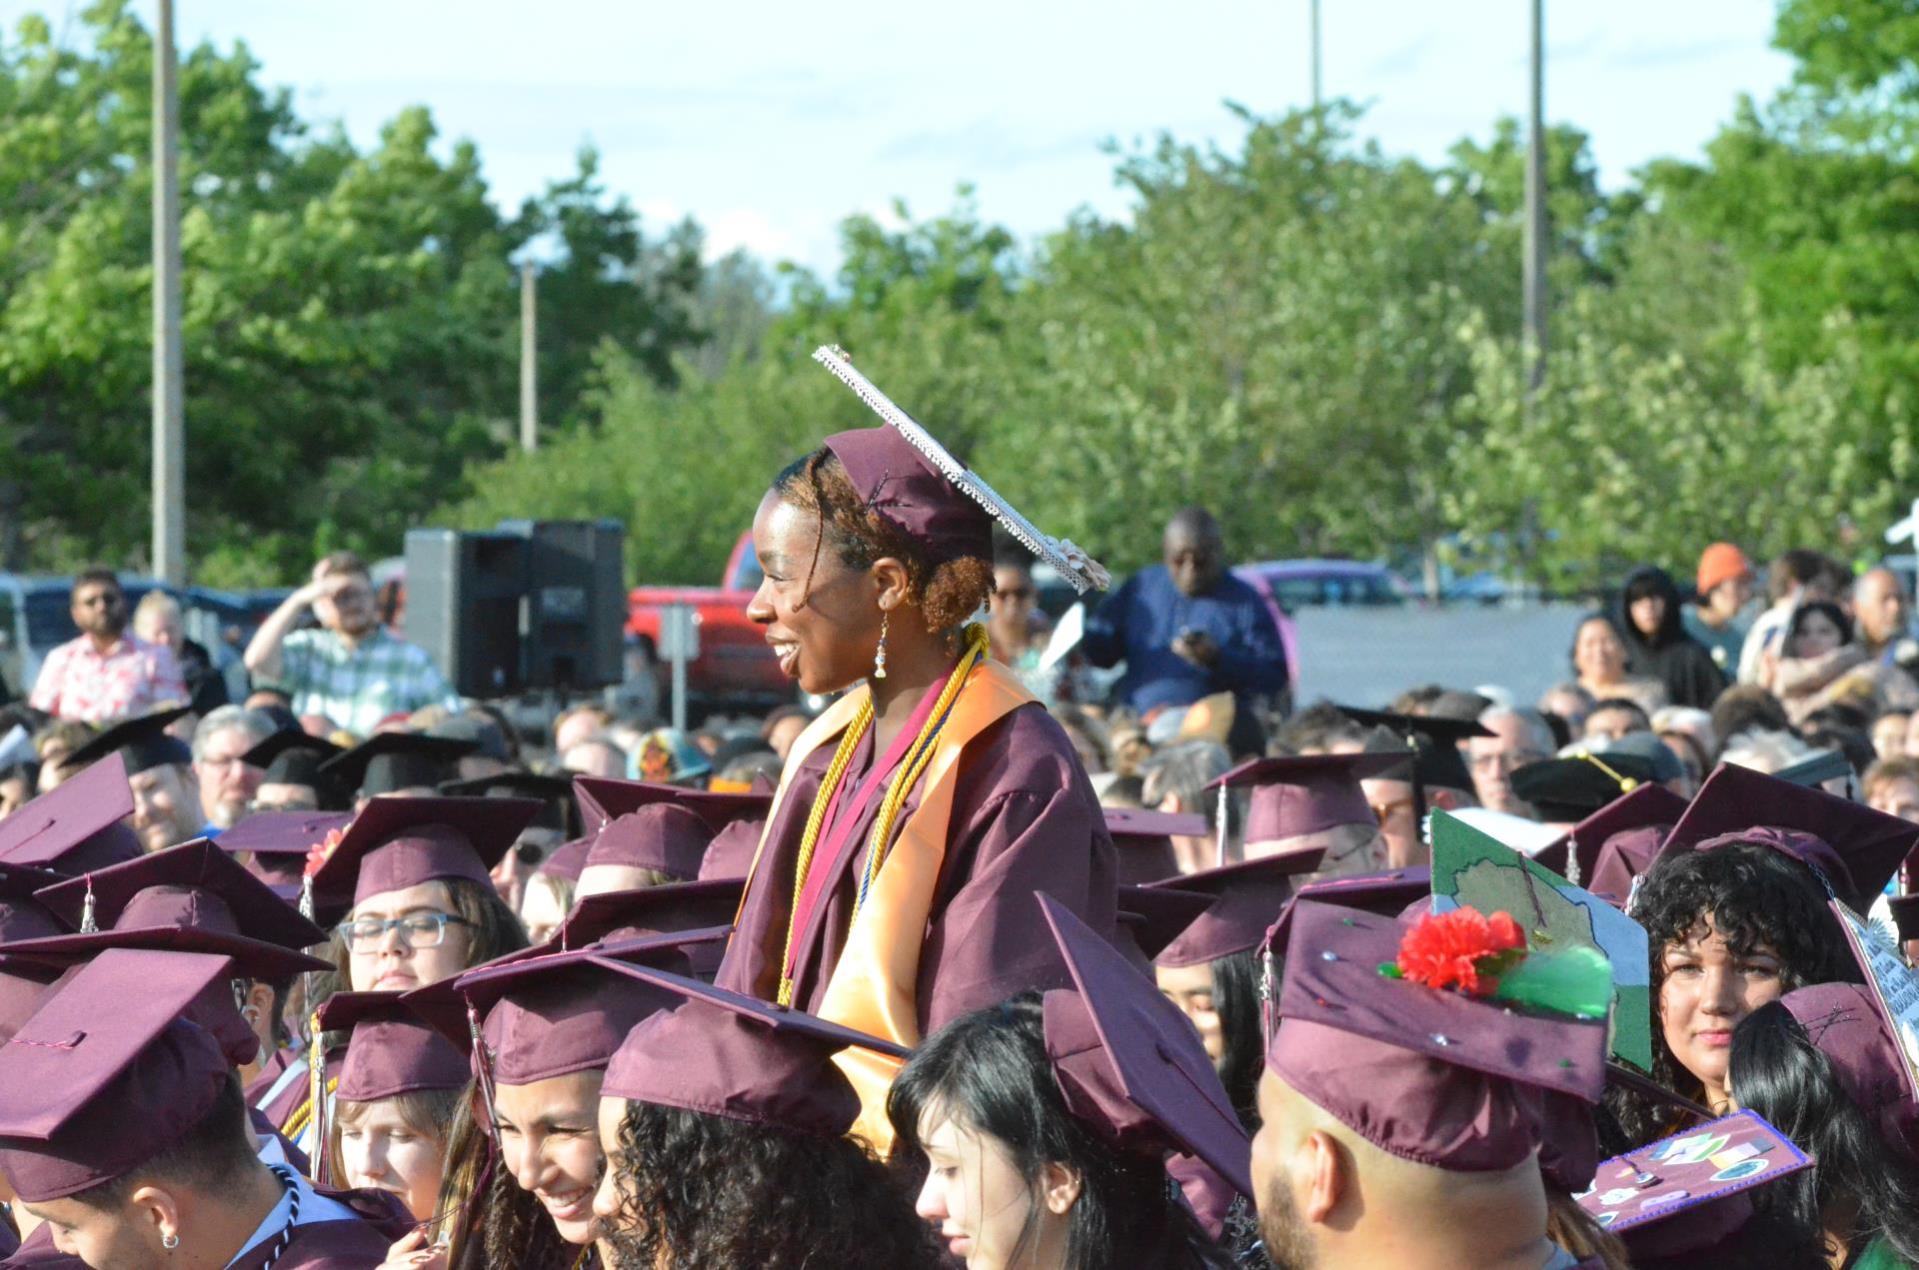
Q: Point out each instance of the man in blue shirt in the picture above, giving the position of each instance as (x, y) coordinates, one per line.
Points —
(1187, 628)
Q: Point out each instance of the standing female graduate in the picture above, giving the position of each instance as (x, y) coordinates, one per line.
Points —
(892, 889)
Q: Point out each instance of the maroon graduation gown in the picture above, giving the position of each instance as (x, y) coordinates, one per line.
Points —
(1024, 819)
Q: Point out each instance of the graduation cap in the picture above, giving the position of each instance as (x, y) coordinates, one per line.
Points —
(909, 480)
(555, 793)
(1129, 1064)
(1870, 1033)
(1583, 854)
(603, 798)
(672, 908)
(1905, 915)
(1432, 744)
(395, 843)
(143, 743)
(1569, 789)
(758, 1062)
(189, 898)
(391, 1049)
(1817, 768)
(1308, 793)
(1385, 894)
(1682, 1195)
(1855, 849)
(662, 837)
(21, 915)
(77, 825)
(730, 854)
(1151, 917)
(1432, 1075)
(107, 1074)
(566, 860)
(292, 757)
(282, 839)
(1143, 840)
(1247, 899)
(388, 762)
(24, 982)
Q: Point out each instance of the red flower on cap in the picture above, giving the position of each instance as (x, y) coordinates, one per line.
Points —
(318, 853)
(1461, 949)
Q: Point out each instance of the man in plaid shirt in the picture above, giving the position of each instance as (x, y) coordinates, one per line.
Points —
(351, 670)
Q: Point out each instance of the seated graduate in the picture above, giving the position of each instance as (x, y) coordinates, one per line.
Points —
(1401, 1106)
(648, 834)
(742, 1156)
(1046, 1121)
(1824, 1065)
(400, 1084)
(123, 1129)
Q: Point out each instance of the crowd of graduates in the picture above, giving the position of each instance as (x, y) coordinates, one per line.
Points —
(958, 971)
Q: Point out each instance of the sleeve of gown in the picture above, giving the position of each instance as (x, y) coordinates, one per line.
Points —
(989, 942)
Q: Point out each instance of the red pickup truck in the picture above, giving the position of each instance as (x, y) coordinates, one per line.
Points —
(736, 666)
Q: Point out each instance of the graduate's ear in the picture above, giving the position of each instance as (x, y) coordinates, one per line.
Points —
(156, 1212)
(1323, 1170)
(892, 584)
(1059, 1188)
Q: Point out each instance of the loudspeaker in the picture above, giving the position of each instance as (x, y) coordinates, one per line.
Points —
(573, 615)
(463, 601)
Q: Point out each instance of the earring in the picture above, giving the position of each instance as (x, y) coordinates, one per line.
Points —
(879, 654)
(169, 1241)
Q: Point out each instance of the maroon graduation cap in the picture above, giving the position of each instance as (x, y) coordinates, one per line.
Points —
(22, 916)
(664, 837)
(758, 1062)
(566, 860)
(1582, 856)
(1431, 1075)
(1308, 793)
(395, 843)
(1151, 917)
(107, 1074)
(902, 487)
(602, 798)
(391, 1049)
(1247, 901)
(730, 854)
(77, 825)
(1144, 841)
(1384, 894)
(1856, 849)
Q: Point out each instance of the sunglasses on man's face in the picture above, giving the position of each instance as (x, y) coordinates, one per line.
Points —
(99, 599)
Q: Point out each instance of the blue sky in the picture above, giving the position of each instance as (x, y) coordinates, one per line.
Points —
(770, 122)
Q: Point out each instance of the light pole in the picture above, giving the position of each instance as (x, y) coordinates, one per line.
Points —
(1534, 275)
(169, 364)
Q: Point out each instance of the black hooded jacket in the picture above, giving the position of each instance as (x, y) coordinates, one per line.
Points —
(1671, 656)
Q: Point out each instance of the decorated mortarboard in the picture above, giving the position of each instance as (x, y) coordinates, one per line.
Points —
(1569, 789)
(388, 762)
(107, 1074)
(1151, 917)
(77, 825)
(189, 898)
(557, 811)
(909, 480)
(1247, 900)
(663, 838)
(1129, 1064)
(293, 757)
(143, 743)
(392, 1050)
(1143, 841)
(1584, 855)
(758, 1062)
(1384, 894)
(1430, 1039)
(1855, 849)
(395, 843)
(1307, 794)
(1684, 1194)
(1474, 870)
(602, 799)
(1870, 1032)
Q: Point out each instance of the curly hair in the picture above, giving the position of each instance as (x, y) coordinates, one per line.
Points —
(704, 1192)
(948, 592)
(988, 1070)
(1756, 898)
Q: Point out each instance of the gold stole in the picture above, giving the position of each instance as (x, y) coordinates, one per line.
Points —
(871, 989)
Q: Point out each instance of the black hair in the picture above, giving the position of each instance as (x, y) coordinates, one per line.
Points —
(1756, 897)
(1780, 1073)
(1623, 703)
(989, 1072)
(1242, 1045)
(704, 1192)
(1826, 609)
(96, 576)
(212, 1158)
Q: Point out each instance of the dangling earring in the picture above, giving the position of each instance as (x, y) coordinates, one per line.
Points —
(879, 654)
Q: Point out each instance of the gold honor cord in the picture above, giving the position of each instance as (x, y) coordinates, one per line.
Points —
(896, 792)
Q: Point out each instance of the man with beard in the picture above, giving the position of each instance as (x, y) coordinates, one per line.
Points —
(105, 673)
(1401, 1121)
(351, 670)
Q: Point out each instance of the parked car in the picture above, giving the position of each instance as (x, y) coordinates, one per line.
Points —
(1297, 583)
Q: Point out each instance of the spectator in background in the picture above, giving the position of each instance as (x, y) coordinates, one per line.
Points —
(1014, 629)
(104, 672)
(1820, 664)
(1889, 733)
(1892, 786)
(596, 756)
(1600, 658)
(1688, 733)
(156, 619)
(1570, 704)
(16, 788)
(583, 722)
(1519, 737)
(1187, 628)
(1723, 588)
(53, 744)
(1613, 718)
(228, 784)
(1175, 779)
(1797, 576)
(351, 669)
(1882, 610)
(1657, 645)
(783, 727)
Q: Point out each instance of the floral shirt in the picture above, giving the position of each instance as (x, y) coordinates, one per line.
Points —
(132, 677)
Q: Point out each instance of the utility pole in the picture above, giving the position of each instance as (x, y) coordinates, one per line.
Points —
(1317, 98)
(529, 371)
(1535, 267)
(169, 363)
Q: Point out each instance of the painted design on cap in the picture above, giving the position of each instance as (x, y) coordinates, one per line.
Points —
(1700, 1173)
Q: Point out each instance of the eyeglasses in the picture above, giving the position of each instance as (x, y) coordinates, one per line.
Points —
(416, 930)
